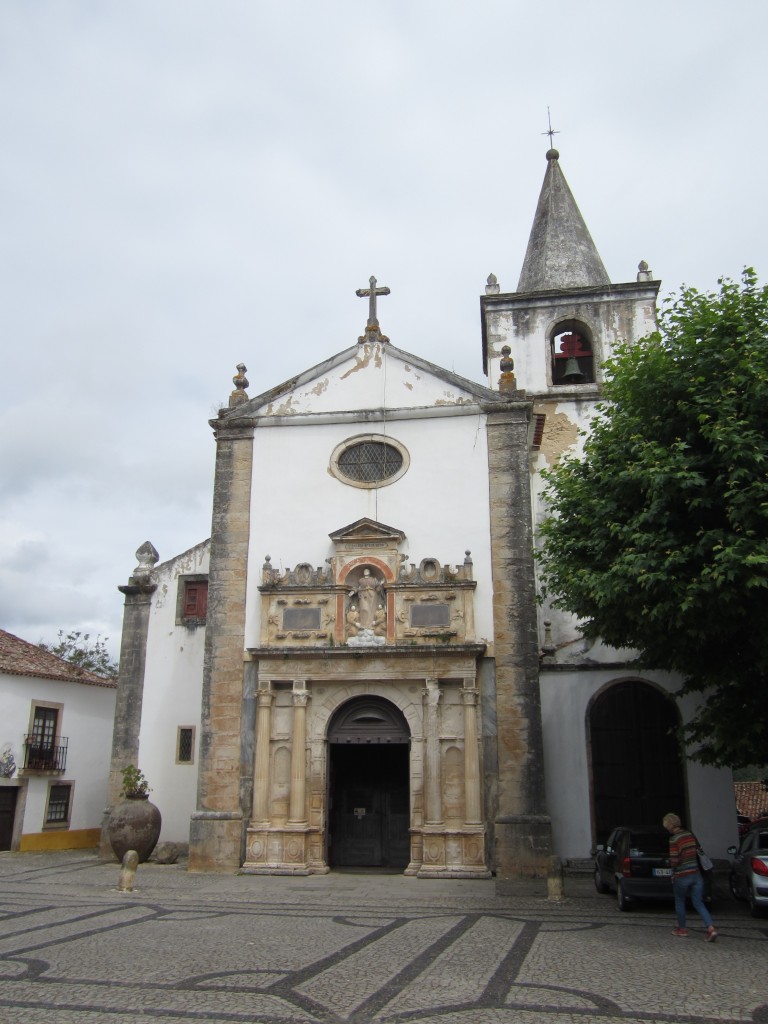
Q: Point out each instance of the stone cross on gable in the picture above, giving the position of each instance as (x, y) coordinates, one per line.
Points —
(372, 332)
(371, 294)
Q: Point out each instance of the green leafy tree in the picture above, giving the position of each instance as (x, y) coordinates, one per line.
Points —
(86, 654)
(658, 537)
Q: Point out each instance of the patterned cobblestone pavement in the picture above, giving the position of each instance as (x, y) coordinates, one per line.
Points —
(355, 948)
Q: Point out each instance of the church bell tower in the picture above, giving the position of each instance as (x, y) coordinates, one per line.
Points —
(566, 316)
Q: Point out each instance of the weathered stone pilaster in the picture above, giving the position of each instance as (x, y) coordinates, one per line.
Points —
(522, 828)
(130, 683)
(217, 827)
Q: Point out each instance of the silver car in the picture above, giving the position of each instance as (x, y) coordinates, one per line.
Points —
(749, 871)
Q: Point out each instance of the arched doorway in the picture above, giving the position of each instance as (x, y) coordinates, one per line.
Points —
(368, 786)
(637, 765)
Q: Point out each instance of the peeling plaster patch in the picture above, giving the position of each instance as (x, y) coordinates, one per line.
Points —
(407, 384)
(453, 400)
(560, 434)
(320, 387)
(286, 409)
(361, 362)
(409, 369)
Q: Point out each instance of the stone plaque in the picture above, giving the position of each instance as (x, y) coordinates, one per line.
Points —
(301, 618)
(430, 615)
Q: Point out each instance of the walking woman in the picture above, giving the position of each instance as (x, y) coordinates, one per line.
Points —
(687, 879)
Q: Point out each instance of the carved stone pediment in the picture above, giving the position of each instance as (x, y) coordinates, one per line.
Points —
(368, 595)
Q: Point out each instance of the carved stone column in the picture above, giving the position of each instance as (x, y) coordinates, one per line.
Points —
(130, 684)
(261, 758)
(216, 837)
(472, 807)
(523, 831)
(433, 804)
(297, 814)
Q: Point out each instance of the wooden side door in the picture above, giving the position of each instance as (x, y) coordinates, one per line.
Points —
(8, 798)
(370, 812)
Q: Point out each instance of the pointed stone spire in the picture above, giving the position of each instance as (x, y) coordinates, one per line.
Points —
(561, 253)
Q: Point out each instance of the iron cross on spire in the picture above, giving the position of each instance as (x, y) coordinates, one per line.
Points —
(550, 131)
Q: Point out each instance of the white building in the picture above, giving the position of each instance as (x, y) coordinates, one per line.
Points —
(354, 670)
(55, 744)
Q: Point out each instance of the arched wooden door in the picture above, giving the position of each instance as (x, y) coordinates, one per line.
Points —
(637, 765)
(368, 791)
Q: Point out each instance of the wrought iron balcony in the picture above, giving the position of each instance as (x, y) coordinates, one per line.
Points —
(40, 755)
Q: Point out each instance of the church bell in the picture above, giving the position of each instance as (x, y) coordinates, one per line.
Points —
(572, 374)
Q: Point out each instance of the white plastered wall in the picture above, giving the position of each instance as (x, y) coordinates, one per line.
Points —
(86, 719)
(172, 697)
(441, 503)
(565, 699)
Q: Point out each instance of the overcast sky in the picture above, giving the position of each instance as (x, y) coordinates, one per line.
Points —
(188, 184)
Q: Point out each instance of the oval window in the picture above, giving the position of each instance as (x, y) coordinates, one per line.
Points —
(371, 460)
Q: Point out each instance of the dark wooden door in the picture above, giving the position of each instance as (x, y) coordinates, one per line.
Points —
(8, 797)
(369, 813)
(637, 767)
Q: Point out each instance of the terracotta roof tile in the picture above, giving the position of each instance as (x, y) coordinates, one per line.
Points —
(19, 658)
(751, 798)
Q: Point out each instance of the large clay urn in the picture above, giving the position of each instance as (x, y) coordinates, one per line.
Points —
(134, 824)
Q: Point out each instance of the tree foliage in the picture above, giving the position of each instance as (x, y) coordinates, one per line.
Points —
(658, 538)
(86, 655)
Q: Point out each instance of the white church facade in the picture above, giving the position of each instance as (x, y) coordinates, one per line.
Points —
(354, 670)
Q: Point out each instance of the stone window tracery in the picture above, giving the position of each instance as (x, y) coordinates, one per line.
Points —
(369, 460)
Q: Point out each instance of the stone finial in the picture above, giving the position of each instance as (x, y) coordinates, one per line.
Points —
(127, 877)
(241, 383)
(643, 273)
(492, 285)
(147, 558)
(507, 381)
(548, 648)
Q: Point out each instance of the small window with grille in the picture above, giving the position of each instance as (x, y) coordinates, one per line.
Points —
(369, 460)
(185, 744)
(57, 811)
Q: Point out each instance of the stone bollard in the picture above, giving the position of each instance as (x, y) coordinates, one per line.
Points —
(555, 889)
(128, 871)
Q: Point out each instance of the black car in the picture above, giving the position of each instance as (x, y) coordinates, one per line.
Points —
(634, 863)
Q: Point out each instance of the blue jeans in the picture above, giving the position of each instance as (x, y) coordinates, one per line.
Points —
(693, 886)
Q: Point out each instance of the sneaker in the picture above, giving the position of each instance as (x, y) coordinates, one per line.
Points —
(711, 934)
(681, 933)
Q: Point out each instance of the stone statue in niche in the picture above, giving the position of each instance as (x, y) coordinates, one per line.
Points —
(353, 621)
(367, 592)
(367, 619)
(380, 621)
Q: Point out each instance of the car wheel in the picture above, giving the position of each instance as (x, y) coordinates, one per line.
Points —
(622, 898)
(599, 883)
(733, 886)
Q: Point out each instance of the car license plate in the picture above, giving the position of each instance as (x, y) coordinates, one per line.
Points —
(661, 872)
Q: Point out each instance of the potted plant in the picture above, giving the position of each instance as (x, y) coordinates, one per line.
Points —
(135, 822)
(135, 785)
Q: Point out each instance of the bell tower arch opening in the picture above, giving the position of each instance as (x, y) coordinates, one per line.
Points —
(571, 352)
(368, 786)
